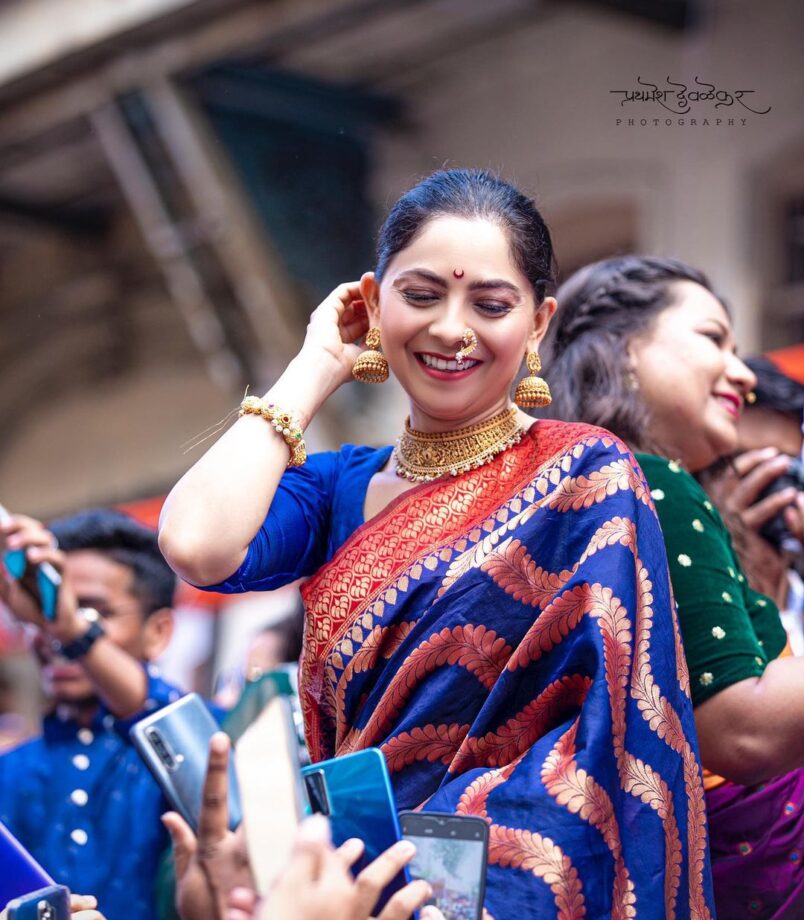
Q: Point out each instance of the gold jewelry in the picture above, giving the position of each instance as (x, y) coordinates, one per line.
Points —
(283, 422)
(371, 366)
(422, 456)
(469, 343)
(751, 398)
(532, 391)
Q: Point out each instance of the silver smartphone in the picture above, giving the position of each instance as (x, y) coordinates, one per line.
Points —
(174, 743)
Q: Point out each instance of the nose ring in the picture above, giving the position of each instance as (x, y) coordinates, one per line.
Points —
(469, 343)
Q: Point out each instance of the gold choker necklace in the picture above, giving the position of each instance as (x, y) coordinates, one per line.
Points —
(422, 456)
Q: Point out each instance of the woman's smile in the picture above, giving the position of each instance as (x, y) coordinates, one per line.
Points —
(731, 402)
(441, 367)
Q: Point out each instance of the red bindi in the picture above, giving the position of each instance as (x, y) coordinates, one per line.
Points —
(458, 272)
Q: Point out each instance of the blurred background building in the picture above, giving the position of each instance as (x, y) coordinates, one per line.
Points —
(182, 180)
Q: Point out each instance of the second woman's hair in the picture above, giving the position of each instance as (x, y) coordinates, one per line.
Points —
(473, 194)
(601, 308)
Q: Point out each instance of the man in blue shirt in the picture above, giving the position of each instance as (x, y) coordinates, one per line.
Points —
(78, 797)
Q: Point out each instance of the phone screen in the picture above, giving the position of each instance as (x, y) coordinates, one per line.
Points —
(454, 868)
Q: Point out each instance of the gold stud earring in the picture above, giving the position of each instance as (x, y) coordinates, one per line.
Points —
(532, 391)
(371, 366)
(751, 398)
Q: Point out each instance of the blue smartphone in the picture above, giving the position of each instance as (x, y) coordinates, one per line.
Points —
(51, 903)
(174, 743)
(19, 871)
(354, 792)
(451, 854)
(41, 581)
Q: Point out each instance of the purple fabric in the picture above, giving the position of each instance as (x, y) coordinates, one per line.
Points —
(756, 838)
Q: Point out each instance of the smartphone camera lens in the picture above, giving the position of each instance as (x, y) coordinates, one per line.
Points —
(45, 911)
(317, 792)
(161, 748)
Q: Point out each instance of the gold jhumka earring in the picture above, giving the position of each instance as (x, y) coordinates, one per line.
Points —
(371, 366)
(532, 391)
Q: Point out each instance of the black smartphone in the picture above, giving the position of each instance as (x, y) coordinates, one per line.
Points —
(41, 581)
(451, 854)
(174, 743)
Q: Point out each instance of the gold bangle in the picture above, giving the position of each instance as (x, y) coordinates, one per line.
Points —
(283, 422)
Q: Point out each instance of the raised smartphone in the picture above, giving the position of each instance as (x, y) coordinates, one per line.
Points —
(269, 760)
(41, 581)
(355, 793)
(51, 903)
(174, 743)
(451, 854)
(19, 871)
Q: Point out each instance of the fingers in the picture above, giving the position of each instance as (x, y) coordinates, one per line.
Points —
(241, 904)
(345, 293)
(310, 847)
(88, 915)
(213, 820)
(754, 482)
(46, 553)
(82, 902)
(406, 900)
(431, 913)
(794, 518)
(184, 842)
(744, 463)
(22, 531)
(350, 851)
(378, 874)
(760, 513)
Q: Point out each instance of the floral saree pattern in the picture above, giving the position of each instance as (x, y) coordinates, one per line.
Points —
(507, 638)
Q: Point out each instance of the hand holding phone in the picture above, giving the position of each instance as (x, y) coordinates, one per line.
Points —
(40, 581)
(316, 883)
(355, 793)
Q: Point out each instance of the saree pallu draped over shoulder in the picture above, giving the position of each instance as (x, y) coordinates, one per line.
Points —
(507, 638)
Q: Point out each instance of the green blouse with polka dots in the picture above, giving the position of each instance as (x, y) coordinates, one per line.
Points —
(730, 632)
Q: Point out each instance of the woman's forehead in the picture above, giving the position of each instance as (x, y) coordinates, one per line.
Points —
(448, 242)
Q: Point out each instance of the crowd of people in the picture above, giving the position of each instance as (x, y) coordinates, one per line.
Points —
(583, 628)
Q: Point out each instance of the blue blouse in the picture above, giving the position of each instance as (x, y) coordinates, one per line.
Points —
(317, 507)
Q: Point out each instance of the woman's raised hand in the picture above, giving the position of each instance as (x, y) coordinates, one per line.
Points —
(334, 328)
(317, 884)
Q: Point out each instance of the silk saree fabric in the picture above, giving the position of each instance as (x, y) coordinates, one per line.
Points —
(507, 638)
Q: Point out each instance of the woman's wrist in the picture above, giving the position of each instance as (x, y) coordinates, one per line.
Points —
(303, 388)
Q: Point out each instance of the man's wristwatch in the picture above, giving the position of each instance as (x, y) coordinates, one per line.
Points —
(79, 647)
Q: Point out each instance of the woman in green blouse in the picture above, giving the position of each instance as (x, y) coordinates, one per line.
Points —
(645, 348)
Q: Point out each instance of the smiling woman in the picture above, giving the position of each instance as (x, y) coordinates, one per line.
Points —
(644, 346)
(479, 599)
